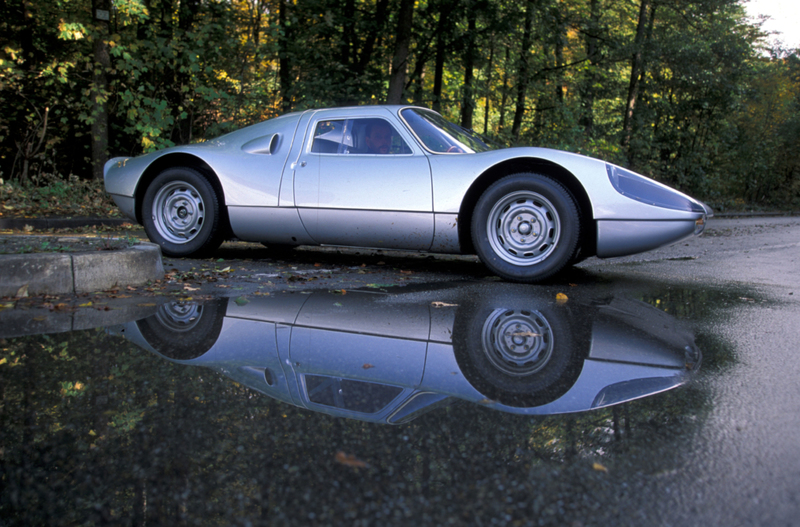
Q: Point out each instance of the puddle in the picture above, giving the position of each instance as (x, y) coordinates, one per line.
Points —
(238, 411)
(390, 357)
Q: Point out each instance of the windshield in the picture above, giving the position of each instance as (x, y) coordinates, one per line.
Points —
(441, 136)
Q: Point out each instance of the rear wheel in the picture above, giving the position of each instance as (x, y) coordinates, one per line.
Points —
(181, 212)
(526, 227)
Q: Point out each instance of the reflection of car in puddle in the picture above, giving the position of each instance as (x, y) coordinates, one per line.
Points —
(388, 357)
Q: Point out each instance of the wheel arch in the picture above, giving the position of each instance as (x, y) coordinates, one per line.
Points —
(180, 159)
(588, 242)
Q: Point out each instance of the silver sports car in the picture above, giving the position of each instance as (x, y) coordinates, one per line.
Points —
(397, 177)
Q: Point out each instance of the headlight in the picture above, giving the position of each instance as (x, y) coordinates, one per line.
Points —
(640, 188)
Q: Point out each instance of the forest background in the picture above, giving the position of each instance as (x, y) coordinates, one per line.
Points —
(685, 91)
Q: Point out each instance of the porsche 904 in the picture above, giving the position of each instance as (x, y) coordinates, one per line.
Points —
(397, 177)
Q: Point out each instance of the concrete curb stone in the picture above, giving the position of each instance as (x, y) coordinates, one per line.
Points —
(19, 323)
(79, 272)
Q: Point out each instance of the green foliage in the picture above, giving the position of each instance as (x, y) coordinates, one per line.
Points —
(49, 195)
(715, 113)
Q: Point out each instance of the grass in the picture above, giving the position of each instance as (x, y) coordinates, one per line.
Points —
(54, 196)
(61, 244)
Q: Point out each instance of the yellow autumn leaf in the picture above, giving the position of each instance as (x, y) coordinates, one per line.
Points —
(600, 468)
(561, 298)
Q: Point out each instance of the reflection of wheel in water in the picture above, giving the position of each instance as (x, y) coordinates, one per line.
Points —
(517, 342)
(179, 316)
(518, 354)
(184, 330)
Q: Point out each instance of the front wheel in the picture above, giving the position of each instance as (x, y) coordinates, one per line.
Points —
(181, 212)
(526, 227)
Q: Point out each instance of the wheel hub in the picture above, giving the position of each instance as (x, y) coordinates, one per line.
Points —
(179, 316)
(178, 212)
(517, 342)
(523, 228)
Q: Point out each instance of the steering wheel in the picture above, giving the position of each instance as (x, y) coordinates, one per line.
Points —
(455, 149)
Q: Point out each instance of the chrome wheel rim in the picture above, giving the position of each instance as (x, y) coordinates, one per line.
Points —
(517, 342)
(523, 228)
(178, 212)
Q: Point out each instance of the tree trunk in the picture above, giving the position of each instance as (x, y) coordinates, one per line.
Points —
(522, 71)
(637, 67)
(284, 60)
(592, 52)
(378, 22)
(467, 102)
(501, 124)
(441, 50)
(101, 11)
(488, 89)
(559, 56)
(397, 79)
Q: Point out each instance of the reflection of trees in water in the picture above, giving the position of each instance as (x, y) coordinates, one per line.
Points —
(696, 304)
(143, 441)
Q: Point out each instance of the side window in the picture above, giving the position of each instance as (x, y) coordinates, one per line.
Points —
(348, 394)
(331, 137)
(358, 136)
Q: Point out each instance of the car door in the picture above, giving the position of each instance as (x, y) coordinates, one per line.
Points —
(350, 194)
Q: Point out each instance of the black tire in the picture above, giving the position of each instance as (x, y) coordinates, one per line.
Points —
(181, 212)
(526, 227)
(548, 360)
(184, 331)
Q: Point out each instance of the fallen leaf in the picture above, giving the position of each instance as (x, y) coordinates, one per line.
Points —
(367, 366)
(187, 288)
(561, 298)
(600, 468)
(349, 460)
(406, 272)
(241, 301)
(22, 292)
(443, 304)
(526, 334)
(486, 401)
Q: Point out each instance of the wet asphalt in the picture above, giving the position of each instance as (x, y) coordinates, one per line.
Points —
(159, 442)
